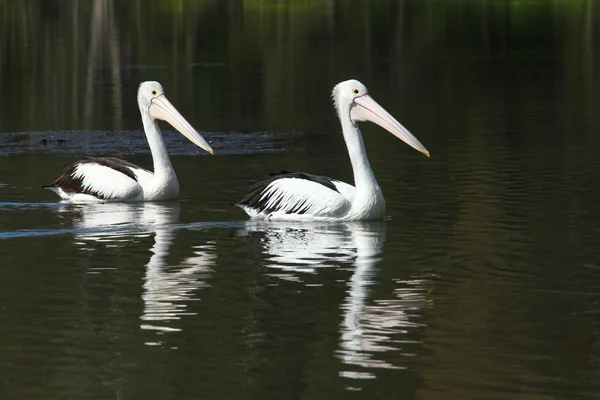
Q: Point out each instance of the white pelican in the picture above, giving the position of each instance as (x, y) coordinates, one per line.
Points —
(300, 196)
(111, 179)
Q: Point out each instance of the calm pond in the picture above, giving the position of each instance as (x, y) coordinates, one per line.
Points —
(483, 281)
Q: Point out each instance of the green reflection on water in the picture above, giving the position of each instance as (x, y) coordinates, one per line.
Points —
(251, 65)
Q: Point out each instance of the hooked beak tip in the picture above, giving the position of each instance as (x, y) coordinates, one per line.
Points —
(427, 154)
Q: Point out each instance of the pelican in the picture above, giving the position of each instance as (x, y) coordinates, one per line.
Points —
(306, 197)
(111, 179)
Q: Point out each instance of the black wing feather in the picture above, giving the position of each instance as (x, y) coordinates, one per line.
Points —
(69, 183)
(254, 198)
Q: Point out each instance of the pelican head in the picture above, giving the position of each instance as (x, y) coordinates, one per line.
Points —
(154, 103)
(352, 97)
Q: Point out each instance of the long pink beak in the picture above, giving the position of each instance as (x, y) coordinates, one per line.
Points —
(367, 109)
(161, 108)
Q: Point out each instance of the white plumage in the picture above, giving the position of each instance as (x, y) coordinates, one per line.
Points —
(107, 182)
(293, 195)
(299, 196)
(112, 179)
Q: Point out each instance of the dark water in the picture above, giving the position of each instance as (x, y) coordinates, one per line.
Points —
(483, 282)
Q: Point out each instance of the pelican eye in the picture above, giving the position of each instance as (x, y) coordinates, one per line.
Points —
(154, 92)
(355, 91)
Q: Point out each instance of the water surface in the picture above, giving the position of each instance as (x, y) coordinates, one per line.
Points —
(481, 283)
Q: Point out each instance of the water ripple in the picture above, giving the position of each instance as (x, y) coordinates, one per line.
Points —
(99, 143)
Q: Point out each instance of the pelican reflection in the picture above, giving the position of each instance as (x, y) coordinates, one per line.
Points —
(168, 287)
(303, 248)
(116, 223)
(376, 327)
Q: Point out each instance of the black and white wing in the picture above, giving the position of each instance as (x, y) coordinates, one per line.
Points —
(297, 193)
(104, 178)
